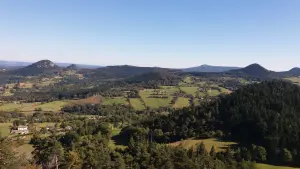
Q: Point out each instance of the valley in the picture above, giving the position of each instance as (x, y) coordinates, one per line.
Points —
(124, 109)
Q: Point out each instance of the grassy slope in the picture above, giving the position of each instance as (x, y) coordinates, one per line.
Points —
(115, 100)
(136, 104)
(213, 92)
(219, 145)
(155, 102)
(295, 80)
(89, 100)
(112, 143)
(181, 102)
(4, 129)
(29, 107)
(266, 166)
(189, 90)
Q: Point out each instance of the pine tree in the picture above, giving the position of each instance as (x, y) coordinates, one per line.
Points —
(212, 152)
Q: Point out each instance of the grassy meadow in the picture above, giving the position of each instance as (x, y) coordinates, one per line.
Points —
(136, 104)
(267, 166)
(54, 106)
(115, 100)
(189, 90)
(155, 102)
(218, 144)
(4, 129)
(181, 102)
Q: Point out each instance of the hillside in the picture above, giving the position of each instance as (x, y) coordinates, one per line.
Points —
(72, 67)
(255, 71)
(209, 68)
(295, 71)
(266, 114)
(40, 67)
(124, 71)
(159, 77)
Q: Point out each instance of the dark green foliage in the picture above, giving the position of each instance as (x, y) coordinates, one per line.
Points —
(8, 158)
(266, 114)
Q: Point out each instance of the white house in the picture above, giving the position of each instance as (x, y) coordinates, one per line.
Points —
(20, 130)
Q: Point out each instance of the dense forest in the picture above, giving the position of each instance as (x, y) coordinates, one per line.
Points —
(87, 146)
(265, 114)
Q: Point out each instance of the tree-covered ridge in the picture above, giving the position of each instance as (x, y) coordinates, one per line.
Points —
(265, 114)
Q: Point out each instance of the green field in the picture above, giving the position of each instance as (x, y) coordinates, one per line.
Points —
(189, 90)
(29, 107)
(213, 92)
(40, 125)
(223, 90)
(115, 100)
(170, 90)
(113, 143)
(53, 106)
(155, 102)
(136, 104)
(219, 145)
(4, 129)
(181, 102)
(266, 166)
(188, 80)
(25, 149)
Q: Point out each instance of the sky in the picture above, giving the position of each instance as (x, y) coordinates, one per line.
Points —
(165, 33)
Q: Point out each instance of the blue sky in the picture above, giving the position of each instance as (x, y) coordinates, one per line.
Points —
(166, 33)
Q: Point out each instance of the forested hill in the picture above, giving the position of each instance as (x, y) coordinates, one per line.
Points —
(156, 78)
(209, 68)
(124, 71)
(265, 114)
(40, 67)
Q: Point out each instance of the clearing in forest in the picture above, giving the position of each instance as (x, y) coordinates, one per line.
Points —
(267, 166)
(4, 129)
(115, 101)
(218, 144)
(90, 100)
(54, 106)
(181, 102)
(136, 104)
(170, 90)
(155, 98)
(189, 90)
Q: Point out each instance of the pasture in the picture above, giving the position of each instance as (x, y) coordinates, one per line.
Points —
(213, 92)
(181, 102)
(267, 166)
(156, 102)
(170, 90)
(188, 80)
(189, 90)
(218, 144)
(136, 104)
(54, 106)
(4, 129)
(115, 101)
(90, 100)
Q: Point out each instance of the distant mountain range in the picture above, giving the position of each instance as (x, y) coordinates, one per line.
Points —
(127, 71)
(17, 64)
(209, 68)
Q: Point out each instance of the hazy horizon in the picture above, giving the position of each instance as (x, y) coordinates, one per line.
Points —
(171, 34)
